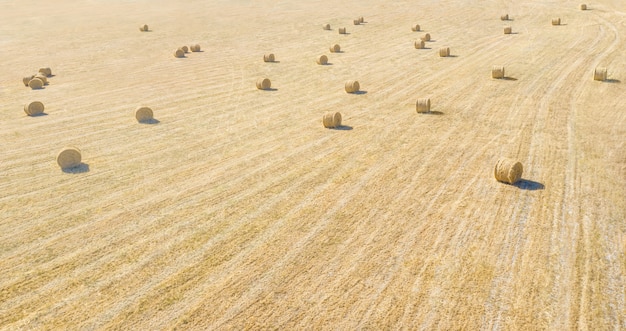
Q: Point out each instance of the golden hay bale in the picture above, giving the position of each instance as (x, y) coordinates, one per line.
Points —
(508, 171)
(195, 48)
(423, 105)
(33, 108)
(356, 22)
(444, 51)
(342, 30)
(556, 21)
(352, 86)
(415, 27)
(600, 74)
(35, 83)
(335, 48)
(43, 78)
(497, 72)
(583, 6)
(326, 26)
(507, 30)
(426, 37)
(322, 59)
(361, 19)
(179, 53)
(144, 114)
(504, 17)
(143, 28)
(27, 79)
(332, 119)
(46, 71)
(419, 44)
(69, 157)
(263, 84)
(185, 49)
(269, 57)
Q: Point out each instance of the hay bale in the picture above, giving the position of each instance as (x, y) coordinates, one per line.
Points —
(504, 17)
(269, 57)
(423, 105)
(426, 37)
(420, 44)
(332, 119)
(46, 71)
(195, 48)
(27, 79)
(179, 53)
(444, 51)
(342, 30)
(361, 19)
(507, 30)
(322, 59)
(185, 49)
(508, 171)
(33, 108)
(35, 83)
(43, 78)
(263, 84)
(326, 26)
(143, 28)
(600, 74)
(356, 22)
(583, 6)
(69, 157)
(415, 28)
(144, 114)
(352, 86)
(335, 48)
(556, 21)
(497, 72)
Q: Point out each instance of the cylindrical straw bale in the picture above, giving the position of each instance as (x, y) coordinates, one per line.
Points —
(352, 86)
(357, 22)
(46, 71)
(497, 72)
(444, 52)
(144, 114)
(185, 49)
(27, 79)
(361, 19)
(332, 119)
(195, 48)
(583, 6)
(335, 48)
(507, 30)
(342, 30)
(33, 108)
(423, 105)
(556, 21)
(263, 84)
(415, 27)
(322, 59)
(419, 44)
(269, 57)
(600, 74)
(508, 171)
(179, 53)
(426, 37)
(35, 83)
(504, 17)
(326, 26)
(143, 27)
(69, 157)
(42, 77)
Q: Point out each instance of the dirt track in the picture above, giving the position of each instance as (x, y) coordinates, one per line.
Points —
(239, 210)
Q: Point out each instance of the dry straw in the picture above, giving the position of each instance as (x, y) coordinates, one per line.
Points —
(335, 48)
(269, 57)
(42, 77)
(361, 19)
(46, 71)
(497, 72)
(504, 17)
(352, 86)
(34, 108)
(507, 30)
(423, 105)
(263, 84)
(326, 26)
(322, 59)
(195, 48)
(27, 79)
(415, 28)
(143, 28)
(600, 74)
(332, 119)
(69, 157)
(144, 114)
(444, 52)
(426, 37)
(583, 6)
(508, 171)
(357, 22)
(35, 83)
(179, 53)
(556, 21)
(420, 44)
(342, 30)
(185, 49)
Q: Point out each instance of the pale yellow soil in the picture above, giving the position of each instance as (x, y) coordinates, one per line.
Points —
(239, 210)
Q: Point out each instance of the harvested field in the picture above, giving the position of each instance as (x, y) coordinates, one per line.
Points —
(239, 210)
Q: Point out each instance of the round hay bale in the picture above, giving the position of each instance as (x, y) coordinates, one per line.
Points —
(356, 22)
(46, 71)
(504, 17)
(342, 30)
(179, 53)
(326, 26)
(420, 44)
(185, 49)
(444, 51)
(497, 72)
(583, 6)
(600, 74)
(507, 30)
(144, 114)
(332, 119)
(426, 37)
(352, 86)
(27, 79)
(269, 57)
(263, 84)
(556, 21)
(35, 83)
(335, 48)
(415, 28)
(361, 19)
(69, 157)
(143, 28)
(423, 105)
(322, 59)
(33, 108)
(43, 78)
(508, 171)
(195, 48)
